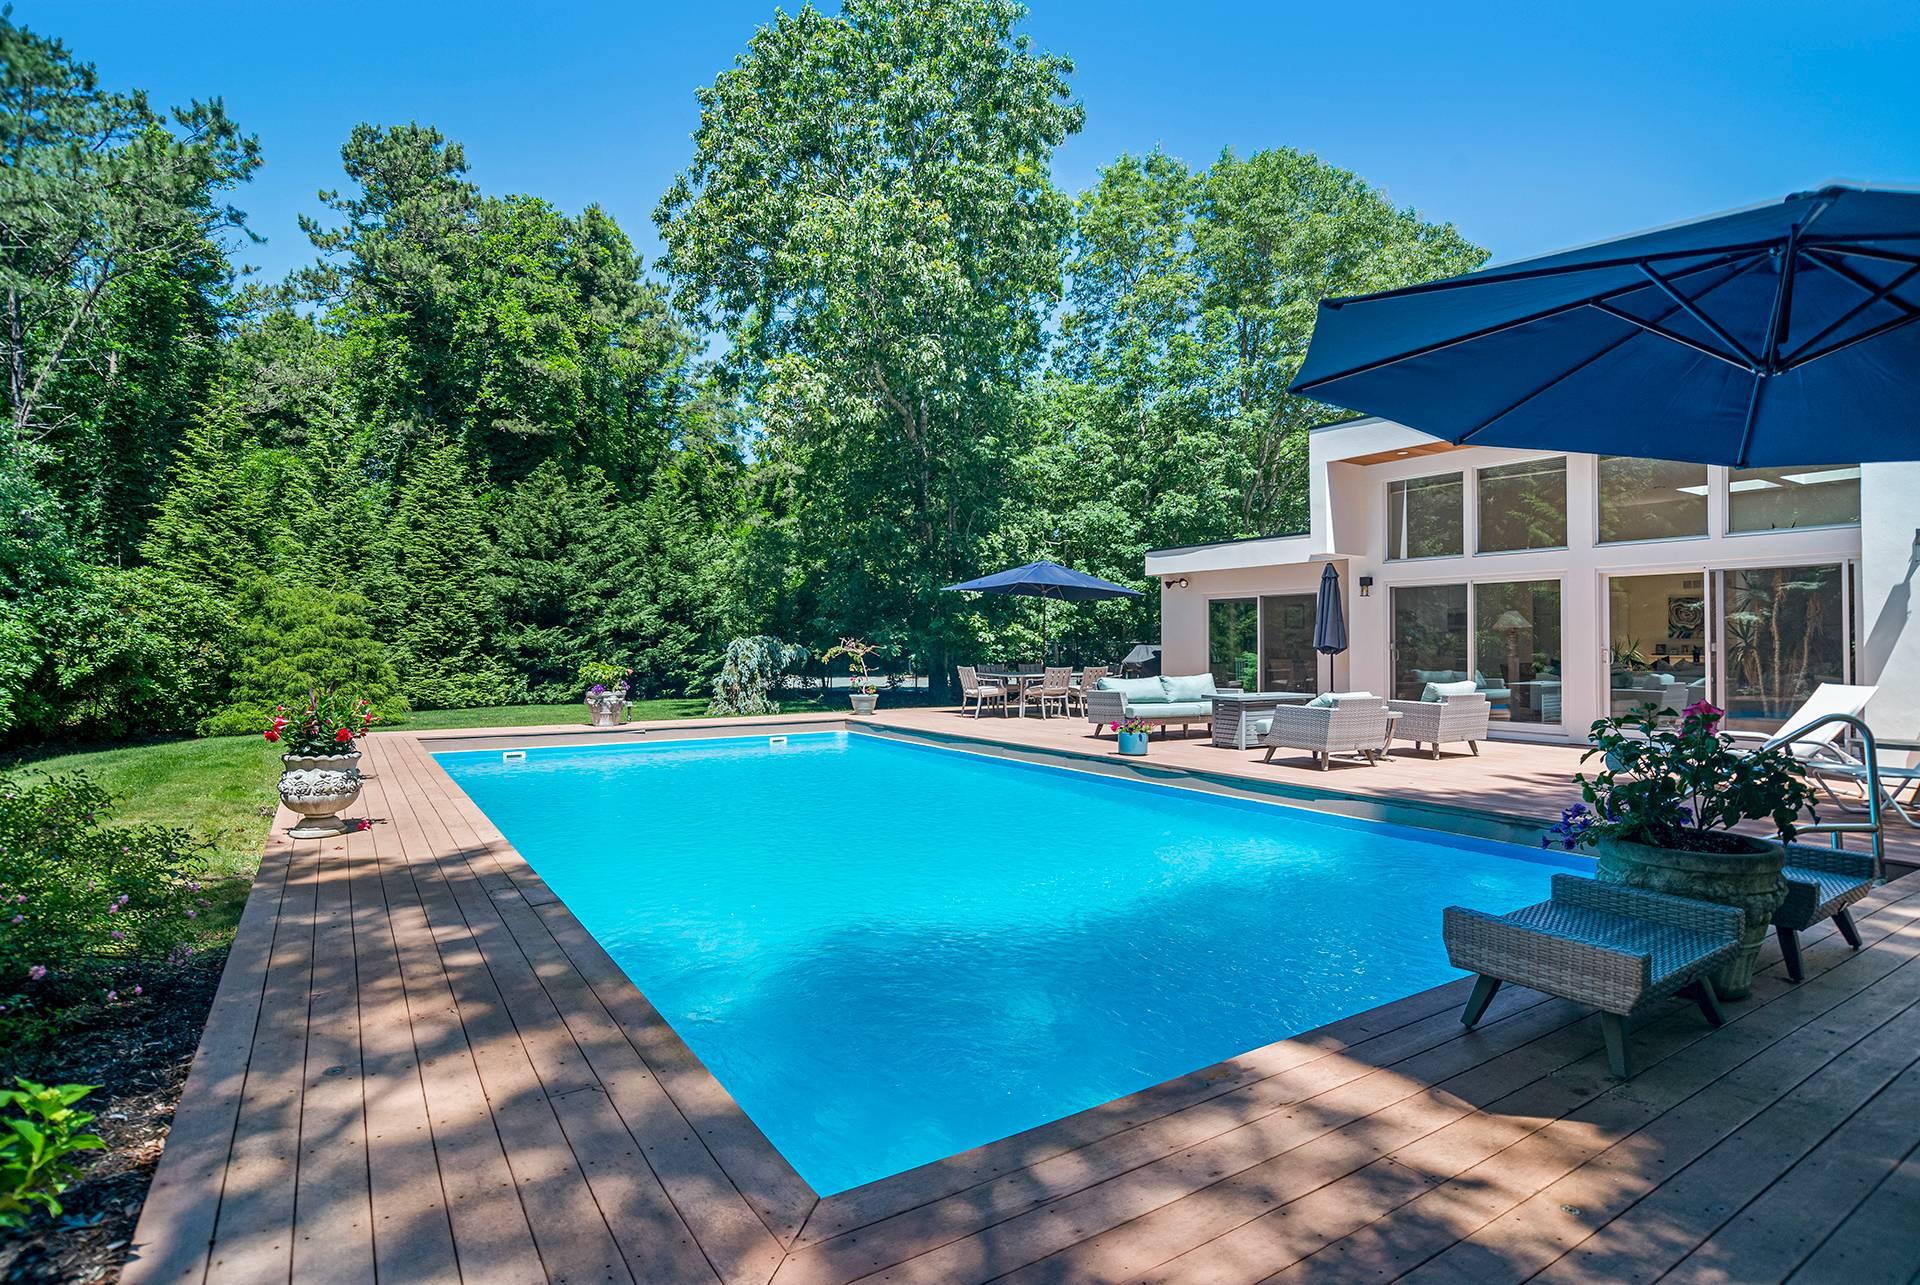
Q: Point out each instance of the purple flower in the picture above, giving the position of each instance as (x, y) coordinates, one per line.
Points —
(37, 972)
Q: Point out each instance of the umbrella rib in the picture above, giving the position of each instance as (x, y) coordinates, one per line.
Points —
(1671, 335)
(1853, 278)
(1798, 355)
(1873, 332)
(1487, 331)
(1692, 310)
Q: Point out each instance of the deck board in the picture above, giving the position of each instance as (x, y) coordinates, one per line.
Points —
(420, 1066)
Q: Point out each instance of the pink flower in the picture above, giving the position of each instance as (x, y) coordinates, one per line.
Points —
(136, 990)
(37, 972)
(193, 914)
(113, 997)
(117, 935)
(19, 919)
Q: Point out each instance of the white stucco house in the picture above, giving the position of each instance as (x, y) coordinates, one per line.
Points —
(1568, 586)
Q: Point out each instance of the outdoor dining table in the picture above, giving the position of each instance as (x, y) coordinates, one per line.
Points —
(1019, 682)
(1234, 713)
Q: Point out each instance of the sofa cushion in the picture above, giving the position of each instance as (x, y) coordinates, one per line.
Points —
(1171, 709)
(1189, 687)
(1138, 691)
(1327, 700)
(1435, 691)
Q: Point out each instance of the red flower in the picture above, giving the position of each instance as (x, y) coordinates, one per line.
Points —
(273, 733)
(343, 735)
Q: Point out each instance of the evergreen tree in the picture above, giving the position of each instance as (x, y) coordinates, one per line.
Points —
(427, 585)
(292, 639)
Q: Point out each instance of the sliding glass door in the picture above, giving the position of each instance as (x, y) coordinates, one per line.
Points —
(1499, 638)
(1785, 631)
(1264, 643)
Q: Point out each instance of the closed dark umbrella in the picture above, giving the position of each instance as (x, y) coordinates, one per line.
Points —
(1782, 334)
(1329, 621)
(1047, 581)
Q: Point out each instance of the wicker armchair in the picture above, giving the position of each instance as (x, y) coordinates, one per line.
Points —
(972, 689)
(1351, 725)
(1822, 883)
(1618, 948)
(1449, 720)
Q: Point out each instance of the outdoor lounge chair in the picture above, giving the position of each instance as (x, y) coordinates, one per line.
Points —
(1336, 723)
(1447, 720)
(1823, 753)
(1184, 699)
(972, 689)
(1822, 883)
(1617, 948)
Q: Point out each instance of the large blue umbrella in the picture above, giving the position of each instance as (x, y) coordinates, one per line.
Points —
(1781, 334)
(1047, 581)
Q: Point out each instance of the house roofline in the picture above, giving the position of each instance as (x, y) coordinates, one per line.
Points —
(1221, 544)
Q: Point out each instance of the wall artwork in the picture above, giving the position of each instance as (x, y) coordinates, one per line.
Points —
(1685, 616)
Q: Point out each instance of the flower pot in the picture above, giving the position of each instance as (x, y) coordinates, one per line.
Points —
(607, 713)
(1748, 880)
(1133, 744)
(863, 702)
(319, 787)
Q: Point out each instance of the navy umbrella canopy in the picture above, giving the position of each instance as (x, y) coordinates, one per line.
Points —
(1777, 335)
(1048, 581)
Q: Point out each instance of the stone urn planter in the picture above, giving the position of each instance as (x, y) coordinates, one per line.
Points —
(319, 787)
(608, 710)
(864, 702)
(1746, 877)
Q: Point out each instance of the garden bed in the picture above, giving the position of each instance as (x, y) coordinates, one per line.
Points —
(139, 1059)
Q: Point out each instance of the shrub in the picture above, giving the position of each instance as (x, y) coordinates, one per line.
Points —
(80, 899)
(126, 652)
(750, 670)
(39, 1134)
(295, 639)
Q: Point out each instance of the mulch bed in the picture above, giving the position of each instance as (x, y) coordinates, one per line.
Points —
(139, 1058)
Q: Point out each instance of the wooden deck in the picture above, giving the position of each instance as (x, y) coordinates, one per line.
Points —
(420, 1067)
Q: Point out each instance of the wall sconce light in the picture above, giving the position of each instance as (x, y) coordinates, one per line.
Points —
(1366, 586)
(1170, 583)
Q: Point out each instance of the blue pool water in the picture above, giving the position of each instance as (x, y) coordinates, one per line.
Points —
(889, 953)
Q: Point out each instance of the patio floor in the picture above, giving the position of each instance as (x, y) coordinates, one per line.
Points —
(420, 1067)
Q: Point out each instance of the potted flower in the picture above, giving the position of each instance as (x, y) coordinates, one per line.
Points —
(321, 774)
(606, 697)
(864, 694)
(1133, 733)
(1660, 816)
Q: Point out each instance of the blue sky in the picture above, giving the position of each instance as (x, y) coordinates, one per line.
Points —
(1531, 126)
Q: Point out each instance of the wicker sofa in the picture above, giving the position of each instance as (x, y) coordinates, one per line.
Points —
(1617, 948)
(1336, 723)
(1185, 699)
(1446, 721)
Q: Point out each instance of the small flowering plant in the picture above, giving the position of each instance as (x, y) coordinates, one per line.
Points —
(856, 650)
(85, 906)
(1679, 785)
(327, 725)
(1132, 726)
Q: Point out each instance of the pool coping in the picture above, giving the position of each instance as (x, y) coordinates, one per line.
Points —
(743, 1152)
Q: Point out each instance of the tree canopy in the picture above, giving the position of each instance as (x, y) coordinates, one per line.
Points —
(484, 443)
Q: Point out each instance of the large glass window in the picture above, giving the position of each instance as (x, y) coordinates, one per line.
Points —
(1425, 517)
(1232, 641)
(1429, 638)
(1516, 648)
(1651, 499)
(1523, 506)
(1288, 662)
(1786, 633)
(1780, 499)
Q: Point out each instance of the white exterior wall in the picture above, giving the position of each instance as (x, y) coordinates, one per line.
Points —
(1349, 516)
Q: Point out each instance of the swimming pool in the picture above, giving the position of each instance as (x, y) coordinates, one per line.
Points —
(889, 953)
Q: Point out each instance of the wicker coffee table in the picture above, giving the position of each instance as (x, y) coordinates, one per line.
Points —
(1235, 712)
